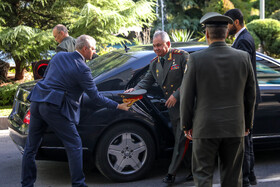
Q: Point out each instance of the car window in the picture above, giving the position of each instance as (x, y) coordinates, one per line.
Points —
(267, 72)
(153, 91)
(107, 62)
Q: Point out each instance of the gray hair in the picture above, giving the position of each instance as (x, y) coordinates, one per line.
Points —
(85, 40)
(164, 36)
(61, 27)
(217, 32)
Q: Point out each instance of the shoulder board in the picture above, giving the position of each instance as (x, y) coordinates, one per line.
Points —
(177, 51)
(154, 59)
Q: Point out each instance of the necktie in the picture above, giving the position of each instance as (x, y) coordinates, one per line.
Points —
(162, 61)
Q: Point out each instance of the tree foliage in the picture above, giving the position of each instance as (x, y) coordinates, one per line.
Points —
(220, 6)
(276, 15)
(179, 14)
(105, 18)
(270, 6)
(7, 94)
(26, 25)
(245, 6)
(24, 33)
(185, 14)
(266, 32)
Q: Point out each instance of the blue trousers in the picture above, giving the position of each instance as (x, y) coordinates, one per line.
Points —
(249, 157)
(45, 115)
(249, 160)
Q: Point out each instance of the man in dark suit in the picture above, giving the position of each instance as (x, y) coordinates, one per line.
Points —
(244, 41)
(66, 42)
(55, 103)
(167, 69)
(217, 102)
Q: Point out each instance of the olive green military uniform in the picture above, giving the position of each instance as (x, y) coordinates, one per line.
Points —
(67, 45)
(169, 78)
(217, 103)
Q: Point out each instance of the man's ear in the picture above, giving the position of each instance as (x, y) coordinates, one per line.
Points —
(84, 48)
(227, 32)
(236, 22)
(168, 44)
(206, 33)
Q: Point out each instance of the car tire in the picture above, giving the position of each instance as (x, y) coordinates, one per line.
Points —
(125, 152)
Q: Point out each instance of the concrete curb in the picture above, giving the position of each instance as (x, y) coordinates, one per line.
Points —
(3, 122)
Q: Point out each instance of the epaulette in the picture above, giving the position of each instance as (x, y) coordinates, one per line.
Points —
(177, 51)
(154, 59)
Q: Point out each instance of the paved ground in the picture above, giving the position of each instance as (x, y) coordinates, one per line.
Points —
(3, 123)
(56, 174)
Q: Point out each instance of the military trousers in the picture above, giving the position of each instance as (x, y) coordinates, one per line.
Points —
(45, 115)
(182, 149)
(230, 152)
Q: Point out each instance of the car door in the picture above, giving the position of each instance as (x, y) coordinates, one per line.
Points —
(267, 121)
(154, 100)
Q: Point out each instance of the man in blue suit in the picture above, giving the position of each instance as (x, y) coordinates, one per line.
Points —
(244, 41)
(55, 103)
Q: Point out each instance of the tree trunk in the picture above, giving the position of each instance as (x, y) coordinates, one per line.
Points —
(19, 70)
(4, 68)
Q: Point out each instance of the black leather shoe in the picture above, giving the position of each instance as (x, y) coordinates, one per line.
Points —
(189, 177)
(246, 183)
(253, 180)
(169, 179)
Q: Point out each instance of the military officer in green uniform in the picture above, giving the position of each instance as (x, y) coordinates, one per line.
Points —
(167, 69)
(217, 105)
(66, 42)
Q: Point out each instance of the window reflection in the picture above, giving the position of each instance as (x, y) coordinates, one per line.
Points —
(106, 63)
(267, 72)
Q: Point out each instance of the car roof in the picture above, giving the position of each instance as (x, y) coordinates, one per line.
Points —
(141, 55)
(147, 49)
(142, 50)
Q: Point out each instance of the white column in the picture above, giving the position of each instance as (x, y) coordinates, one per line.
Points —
(262, 9)
(162, 16)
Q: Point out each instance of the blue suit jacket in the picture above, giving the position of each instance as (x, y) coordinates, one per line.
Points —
(246, 43)
(66, 78)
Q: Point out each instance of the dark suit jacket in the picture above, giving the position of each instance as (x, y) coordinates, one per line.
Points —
(66, 78)
(218, 93)
(246, 43)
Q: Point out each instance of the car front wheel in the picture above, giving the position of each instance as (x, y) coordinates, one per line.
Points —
(125, 152)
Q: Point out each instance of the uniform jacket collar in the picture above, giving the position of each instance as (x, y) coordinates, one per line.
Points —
(216, 44)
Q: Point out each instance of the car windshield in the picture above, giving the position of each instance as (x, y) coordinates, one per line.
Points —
(107, 62)
(114, 59)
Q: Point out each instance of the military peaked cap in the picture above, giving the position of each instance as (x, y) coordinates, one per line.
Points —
(214, 18)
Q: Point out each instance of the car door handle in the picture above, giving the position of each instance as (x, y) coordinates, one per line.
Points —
(162, 100)
(155, 99)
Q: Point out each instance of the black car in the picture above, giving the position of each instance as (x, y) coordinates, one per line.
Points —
(125, 144)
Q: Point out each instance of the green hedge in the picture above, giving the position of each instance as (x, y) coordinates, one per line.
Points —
(266, 32)
(7, 94)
